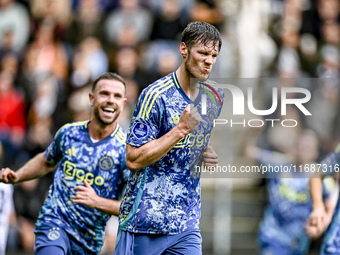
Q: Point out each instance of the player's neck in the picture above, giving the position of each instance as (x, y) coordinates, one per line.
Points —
(184, 82)
(99, 131)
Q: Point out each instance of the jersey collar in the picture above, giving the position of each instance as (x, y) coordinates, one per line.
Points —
(184, 95)
(104, 139)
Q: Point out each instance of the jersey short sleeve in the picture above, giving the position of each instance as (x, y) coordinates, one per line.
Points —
(328, 187)
(331, 164)
(53, 153)
(144, 126)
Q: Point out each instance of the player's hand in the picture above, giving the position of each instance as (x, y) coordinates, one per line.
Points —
(8, 176)
(317, 222)
(190, 118)
(85, 195)
(312, 231)
(315, 232)
(210, 158)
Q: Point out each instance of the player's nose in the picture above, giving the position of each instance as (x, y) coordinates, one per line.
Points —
(209, 60)
(111, 98)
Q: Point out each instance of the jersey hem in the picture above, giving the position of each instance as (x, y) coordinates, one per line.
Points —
(157, 232)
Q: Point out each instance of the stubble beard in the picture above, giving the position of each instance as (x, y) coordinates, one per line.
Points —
(190, 73)
(101, 121)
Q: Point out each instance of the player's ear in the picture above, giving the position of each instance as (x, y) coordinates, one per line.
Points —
(183, 49)
(91, 97)
(124, 102)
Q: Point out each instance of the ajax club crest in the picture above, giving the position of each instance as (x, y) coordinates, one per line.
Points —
(54, 234)
(106, 163)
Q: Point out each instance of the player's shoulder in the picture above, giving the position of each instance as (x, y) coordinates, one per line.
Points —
(72, 127)
(159, 85)
(155, 94)
(120, 135)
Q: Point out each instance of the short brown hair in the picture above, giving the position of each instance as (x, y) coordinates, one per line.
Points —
(201, 32)
(108, 76)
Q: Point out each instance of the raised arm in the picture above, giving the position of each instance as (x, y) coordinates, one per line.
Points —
(33, 169)
(147, 154)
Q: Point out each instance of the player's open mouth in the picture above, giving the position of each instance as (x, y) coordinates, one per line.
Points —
(108, 110)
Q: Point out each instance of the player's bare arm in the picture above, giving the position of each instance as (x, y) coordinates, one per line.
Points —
(322, 213)
(33, 169)
(317, 217)
(86, 195)
(138, 158)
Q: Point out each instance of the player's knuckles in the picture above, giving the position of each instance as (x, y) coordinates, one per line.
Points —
(5, 171)
(208, 158)
(6, 177)
(196, 118)
(211, 156)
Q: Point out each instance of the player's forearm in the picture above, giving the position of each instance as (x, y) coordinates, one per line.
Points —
(34, 168)
(330, 207)
(316, 192)
(149, 153)
(331, 201)
(109, 206)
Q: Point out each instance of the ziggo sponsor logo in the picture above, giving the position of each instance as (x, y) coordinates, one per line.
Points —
(71, 172)
(193, 139)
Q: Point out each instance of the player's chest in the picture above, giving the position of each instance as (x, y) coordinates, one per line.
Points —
(295, 191)
(86, 161)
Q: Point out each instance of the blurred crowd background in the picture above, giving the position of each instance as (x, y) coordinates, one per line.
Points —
(50, 51)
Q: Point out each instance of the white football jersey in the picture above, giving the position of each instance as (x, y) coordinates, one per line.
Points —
(6, 209)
